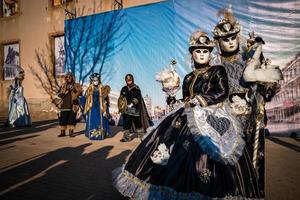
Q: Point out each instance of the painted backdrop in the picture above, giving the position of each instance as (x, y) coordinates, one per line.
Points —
(142, 40)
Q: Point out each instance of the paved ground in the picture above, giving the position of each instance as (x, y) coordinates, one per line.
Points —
(35, 164)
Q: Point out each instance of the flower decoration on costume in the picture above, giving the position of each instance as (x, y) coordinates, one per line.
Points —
(239, 105)
(205, 175)
(161, 155)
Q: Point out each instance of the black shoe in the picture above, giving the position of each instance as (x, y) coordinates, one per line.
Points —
(123, 140)
(62, 133)
(127, 137)
(71, 133)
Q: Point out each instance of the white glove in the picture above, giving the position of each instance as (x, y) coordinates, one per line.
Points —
(130, 105)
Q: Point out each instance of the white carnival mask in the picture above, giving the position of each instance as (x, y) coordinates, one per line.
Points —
(201, 56)
(95, 82)
(229, 44)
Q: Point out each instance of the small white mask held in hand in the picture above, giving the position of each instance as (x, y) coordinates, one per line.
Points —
(201, 56)
(229, 44)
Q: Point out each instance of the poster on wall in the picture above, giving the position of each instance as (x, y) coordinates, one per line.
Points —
(10, 7)
(59, 55)
(11, 60)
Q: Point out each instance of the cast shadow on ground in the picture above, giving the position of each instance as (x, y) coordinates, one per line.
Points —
(283, 143)
(66, 173)
(8, 132)
(5, 142)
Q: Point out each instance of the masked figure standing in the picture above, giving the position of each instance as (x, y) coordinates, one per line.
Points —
(96, 108)
(197, 151)
(18, 112)
(246, 99)
(69, 104)
(131, 105)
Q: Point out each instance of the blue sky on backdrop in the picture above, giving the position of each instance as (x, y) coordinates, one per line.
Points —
(157, 33)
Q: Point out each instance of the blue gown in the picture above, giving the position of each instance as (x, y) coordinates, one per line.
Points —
(18, 111)
(94, 130)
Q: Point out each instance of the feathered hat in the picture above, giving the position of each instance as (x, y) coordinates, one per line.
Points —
(200, 40)
(227, 26)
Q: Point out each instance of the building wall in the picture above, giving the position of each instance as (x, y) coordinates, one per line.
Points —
(285, 106)
(32, 27)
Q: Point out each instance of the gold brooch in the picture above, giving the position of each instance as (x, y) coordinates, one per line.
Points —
(178, 123)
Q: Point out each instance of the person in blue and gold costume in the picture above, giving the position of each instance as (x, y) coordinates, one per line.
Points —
(197, 151)
(96, 109)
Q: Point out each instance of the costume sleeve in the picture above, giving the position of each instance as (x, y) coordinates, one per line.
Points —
(107, 103)
(77, 89)
(217, 90)
(82, 100)
(63, 90)
(60, 93)
(185, 89)
(268, 90)
(122, 91)
(21, 90)
(137, 96)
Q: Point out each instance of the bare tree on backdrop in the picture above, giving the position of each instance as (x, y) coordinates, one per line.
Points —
(88, 46)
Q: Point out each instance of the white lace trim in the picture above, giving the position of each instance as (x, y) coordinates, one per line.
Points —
(161, 155)
(135, 188)
(226, 148)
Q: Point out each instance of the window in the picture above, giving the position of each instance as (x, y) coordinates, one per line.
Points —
(9, 8)
(290, 93)
(295, 92)
(11, 58)
(59, 55)
(59, 2)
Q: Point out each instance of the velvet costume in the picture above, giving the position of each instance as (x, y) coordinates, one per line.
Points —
(18, 111)
(248, 97)
(256, 94)
(135, 118)
(191, 165)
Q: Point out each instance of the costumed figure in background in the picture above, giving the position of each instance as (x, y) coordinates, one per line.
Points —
(96, 108)
(134, 112)
(68, 104)
(170, 81)
(197, 150)
(18, 112)
(247, 95)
